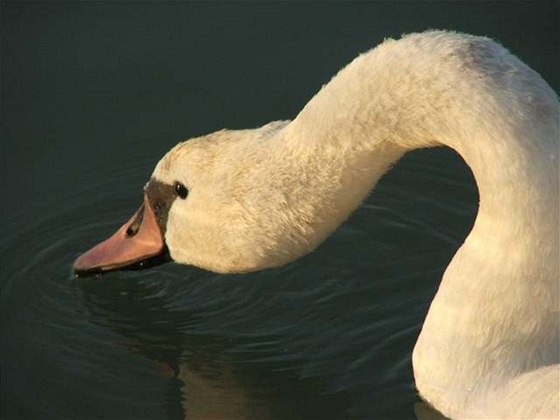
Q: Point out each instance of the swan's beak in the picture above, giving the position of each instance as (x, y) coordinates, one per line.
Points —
(138, 240)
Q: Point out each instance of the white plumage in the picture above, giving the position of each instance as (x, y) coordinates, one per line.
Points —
(489, 347)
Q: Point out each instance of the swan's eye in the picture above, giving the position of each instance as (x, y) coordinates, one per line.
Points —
(181, 190)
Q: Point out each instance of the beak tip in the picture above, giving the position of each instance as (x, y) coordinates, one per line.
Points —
(122, 250)
(83, 267)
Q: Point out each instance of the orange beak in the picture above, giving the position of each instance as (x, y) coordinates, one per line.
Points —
(137, 240)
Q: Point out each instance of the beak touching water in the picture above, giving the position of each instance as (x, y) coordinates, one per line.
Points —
(138, 241)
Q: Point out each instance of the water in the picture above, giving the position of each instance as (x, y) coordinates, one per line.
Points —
(94, 94)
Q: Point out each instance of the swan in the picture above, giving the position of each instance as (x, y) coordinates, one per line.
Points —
(245, 200)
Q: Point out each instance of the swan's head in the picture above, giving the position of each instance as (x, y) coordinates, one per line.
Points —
(215, 202)
(219, 224)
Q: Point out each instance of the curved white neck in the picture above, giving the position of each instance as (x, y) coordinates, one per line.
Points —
(496, 312)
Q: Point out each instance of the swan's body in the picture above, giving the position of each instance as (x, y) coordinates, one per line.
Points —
(259, 198)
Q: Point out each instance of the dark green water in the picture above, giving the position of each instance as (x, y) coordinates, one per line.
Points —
(95, 93)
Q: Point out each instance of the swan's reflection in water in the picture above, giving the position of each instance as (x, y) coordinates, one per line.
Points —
(220, 391)
(209, 378)
(215, 376)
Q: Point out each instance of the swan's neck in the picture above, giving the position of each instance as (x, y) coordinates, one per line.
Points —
(494, 314)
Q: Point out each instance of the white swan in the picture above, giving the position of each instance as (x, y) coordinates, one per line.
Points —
(259, 198)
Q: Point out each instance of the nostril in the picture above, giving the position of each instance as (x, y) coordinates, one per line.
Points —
(134, 227)
(132, 230)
